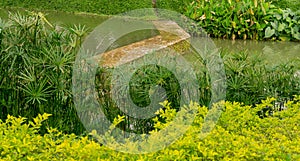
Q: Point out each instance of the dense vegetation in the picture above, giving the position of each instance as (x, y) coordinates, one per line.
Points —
(36, 71)
(247, 19)
(292, 4)
(249, 79)
(100, 7)
(36, 66)
(232, 19)
(36, 77)
(119, 6)
(97, 6)
(240, 134)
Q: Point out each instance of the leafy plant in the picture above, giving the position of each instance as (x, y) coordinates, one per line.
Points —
(284, 26)
(245, 19)
(239, 134)
(36, 66)
(284, 4)
(250, 79)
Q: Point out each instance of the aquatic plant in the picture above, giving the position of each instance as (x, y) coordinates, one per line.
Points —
(36, 65)
(284, 26)
(232, 19)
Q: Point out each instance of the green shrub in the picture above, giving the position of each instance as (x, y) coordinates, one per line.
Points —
(20, 141)
(284, 4)
(247, 19)
(284, 26)
(233, 19)
(240, 134)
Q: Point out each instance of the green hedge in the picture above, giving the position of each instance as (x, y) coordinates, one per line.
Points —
(284, 26)
(240, 134)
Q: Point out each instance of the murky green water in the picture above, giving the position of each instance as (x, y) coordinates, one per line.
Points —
(62, 18)
(90, 21)
(274, 51)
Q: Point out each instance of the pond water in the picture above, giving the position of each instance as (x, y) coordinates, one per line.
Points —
(63, 18)
(274, 52)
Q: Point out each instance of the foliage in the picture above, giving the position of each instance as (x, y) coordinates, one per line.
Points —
(36, 66)
(284, 4)
(107, 7)
(101, 7)
(20, 141)
(284, 26)
(36, 70)
(247, 19)
(232, 18)
(250, 78)
(239, 134)
(175, 5)
(142, 85)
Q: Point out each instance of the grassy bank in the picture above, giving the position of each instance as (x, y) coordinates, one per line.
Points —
(118, 6)
(106, 7)
(101, 7)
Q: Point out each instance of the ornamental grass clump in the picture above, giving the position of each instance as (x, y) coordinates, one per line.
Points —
(36, 66)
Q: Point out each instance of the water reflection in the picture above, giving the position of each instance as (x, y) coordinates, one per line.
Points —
(275, 52)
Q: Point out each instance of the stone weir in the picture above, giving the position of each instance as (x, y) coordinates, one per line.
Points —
(175, 38)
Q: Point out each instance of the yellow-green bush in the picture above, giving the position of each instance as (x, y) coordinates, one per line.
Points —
(240, 134)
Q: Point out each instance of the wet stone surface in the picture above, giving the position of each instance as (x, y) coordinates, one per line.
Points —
(170, 35)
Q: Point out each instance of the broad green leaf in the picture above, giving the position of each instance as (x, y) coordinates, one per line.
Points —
(285, 14)
(288, 19)
(281, 27)
(274, 24)
(278, 16)
(295, 29)
(297, 36)
(269, 32)
(288, 30)
(289, 11)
